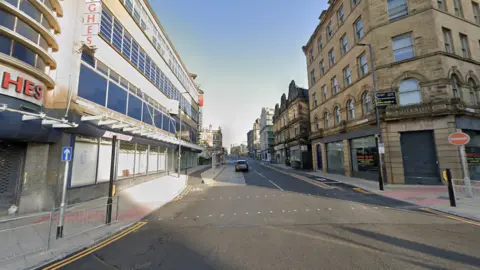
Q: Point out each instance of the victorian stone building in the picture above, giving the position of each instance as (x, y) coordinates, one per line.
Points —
(426, 53)
(291, 128)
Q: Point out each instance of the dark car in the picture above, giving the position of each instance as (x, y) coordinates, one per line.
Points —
(241, 165)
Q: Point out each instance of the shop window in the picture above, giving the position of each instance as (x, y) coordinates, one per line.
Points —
(472, 151)
(84, 162)
(92, 86)
(409, 92)
(104, 160)
(153, 159)
(161, 159)
(364, 154)
(126, 159)
(134, 107)
(7, 20)
(117, 98)
(141, 160)
(335, 157)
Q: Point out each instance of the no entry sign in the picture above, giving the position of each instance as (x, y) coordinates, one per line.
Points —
(458, 138)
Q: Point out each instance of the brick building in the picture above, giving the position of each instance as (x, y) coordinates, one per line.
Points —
(428, 54)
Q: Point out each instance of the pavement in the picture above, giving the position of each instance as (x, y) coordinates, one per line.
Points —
(271, 218)
(431, 196)
(24, 241)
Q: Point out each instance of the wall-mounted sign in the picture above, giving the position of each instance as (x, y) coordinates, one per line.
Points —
(91, 21)
(386, 98)
(200, 100)
(122, 137)
(19, 85)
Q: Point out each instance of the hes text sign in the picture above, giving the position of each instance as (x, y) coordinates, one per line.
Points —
(91, 21)
(19, 85)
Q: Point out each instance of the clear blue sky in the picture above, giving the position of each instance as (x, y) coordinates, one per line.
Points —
(245, 53)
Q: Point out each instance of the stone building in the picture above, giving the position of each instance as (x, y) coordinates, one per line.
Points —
(425, 52)
(266, 134)
(211, 140)
(291, 128)
(256, 139)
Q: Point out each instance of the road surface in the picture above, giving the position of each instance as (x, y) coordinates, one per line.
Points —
(269, 218)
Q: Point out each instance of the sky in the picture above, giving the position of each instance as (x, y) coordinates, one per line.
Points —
(245, 53)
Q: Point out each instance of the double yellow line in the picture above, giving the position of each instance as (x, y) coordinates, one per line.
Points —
(361, 190)
(450, 216)
(305, 179)
(96, 247)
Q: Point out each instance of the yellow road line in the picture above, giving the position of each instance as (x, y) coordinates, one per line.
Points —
(95, 247)
(308, 180)
(361, 190)
(450, 216)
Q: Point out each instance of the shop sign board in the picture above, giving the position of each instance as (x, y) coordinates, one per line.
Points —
(91, 21)
(21, 86)
(122, 137)
(386, 98)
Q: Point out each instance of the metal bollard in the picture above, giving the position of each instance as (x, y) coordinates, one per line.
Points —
(451, 190)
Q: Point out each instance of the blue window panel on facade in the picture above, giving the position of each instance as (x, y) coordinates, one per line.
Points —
(129, 5)
(166, 123)
(5, 44)
(117, 35)
(127, 41)
(148, 62)
(147, 114)
(7, 20)
(158, 119)
(87, 58)
(141, 61)
(117, 98)
(173, 128)
(106, 25)
(134, 107)
(23, 53)
(134, 53)
(92, 86)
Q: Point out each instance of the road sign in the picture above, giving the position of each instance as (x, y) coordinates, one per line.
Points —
(386, 98)
(458, 138)
(66, 153)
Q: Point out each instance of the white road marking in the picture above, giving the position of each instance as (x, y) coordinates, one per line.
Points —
(364, 207)
(283, 211)
(307, 210)
(172, 217)
(229, 197)
(221, 215)
(257, 196)
(246, 213)
(271, 211)
(375, 207)
(213, 198)
(387, 207)
(239, 197)
(276, 185)
(282, 195)
(248, 196)
(330, 209)
(265, 195)
(184, 217)
(220, 198)
(353, 208)
(259, 212)
(318, 209)
(295, 210)
(234, 214)
(273, 195)
(159, 218)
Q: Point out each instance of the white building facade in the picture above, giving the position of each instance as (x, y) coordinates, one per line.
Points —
(90, 70)
(266, 134)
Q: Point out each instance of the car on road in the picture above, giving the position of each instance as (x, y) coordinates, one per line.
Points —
(241, 165)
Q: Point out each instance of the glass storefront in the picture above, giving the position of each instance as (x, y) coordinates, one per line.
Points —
(335, 158)
(472, 150)
(364, 158)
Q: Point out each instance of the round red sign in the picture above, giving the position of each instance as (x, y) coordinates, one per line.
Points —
(458, 138)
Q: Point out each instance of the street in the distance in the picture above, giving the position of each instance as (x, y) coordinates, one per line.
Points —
(268, 219)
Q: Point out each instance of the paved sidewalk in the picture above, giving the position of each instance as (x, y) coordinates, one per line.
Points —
(84, 223)
(209, 176)
(435, 197)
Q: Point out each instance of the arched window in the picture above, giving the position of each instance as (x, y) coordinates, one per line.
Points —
(473, 91)
(325, 120)
(409, 92)
(337, 115)
(455, 89)
(351, 109)
(366, 103)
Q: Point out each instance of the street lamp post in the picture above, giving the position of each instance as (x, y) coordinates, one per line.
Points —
(381, 148)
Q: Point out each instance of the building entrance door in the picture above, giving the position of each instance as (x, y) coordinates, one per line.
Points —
(319, 157)
(12, 156)
(419, 158)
